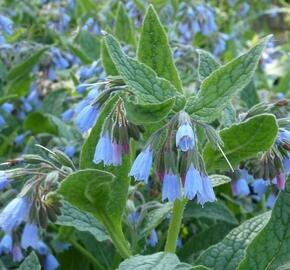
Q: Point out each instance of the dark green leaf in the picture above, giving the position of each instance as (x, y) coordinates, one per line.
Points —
(154, 50)
(270, 249)
(80, 220)
(242, 141)
(123, 29)
(222, 84)
(227, 254)
(148, 113)
(141, 79)
(30, 263)
(216, 211)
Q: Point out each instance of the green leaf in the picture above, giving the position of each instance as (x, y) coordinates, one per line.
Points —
(99, 192)
(153, 219)
(222, 84)
(141, 79)
(154, 50)
(31, 262)
(81, 220)
(53, 102)
(148, 113)
(204, 239)
(107, 62)
(242, 141)
(215, 211)
(218, 180)
(7, 98)
(90, 45)
(227, 254)
(228, 115)
(157, 261)
(270, 249)
(39, 123)
(206, 64)
(18, 76)
(249, 95)
(123, 29)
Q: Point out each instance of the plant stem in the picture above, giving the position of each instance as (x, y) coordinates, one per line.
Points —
(88, 255)
(174, 226)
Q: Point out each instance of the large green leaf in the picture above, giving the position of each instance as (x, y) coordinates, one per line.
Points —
(227, 254)
(242, 141)
(141, 79)
(31, 262)
(270, 249)
(107, 62)
(154, 50)
(18, 77)
(99, 192)
(123, 29)
(81, 220)
(222, 84)
(148, 113)
(157, 261)
(90, 45)
(53, 102)
(206, 64)
(215, 211)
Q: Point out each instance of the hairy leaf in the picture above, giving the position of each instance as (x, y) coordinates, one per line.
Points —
(31, 262)
(242, 141)
(154, 50)
(206, 64)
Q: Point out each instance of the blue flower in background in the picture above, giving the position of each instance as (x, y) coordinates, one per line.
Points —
(70, 151)
(92, 26)
(244, 9)
(2, 121)
(67, 115)
(4, 180)
(271, 201)
(42, 248)
(260, 187)
(6, 25)
(142, 165)
(87, 117)
(50, 262)
(171, 187)
(220, 44)
(240, 187)
(153, 238)
(7, 107)
(6, 244)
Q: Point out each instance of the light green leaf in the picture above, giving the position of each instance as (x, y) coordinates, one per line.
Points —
(206, 64)
(154, 50)
(153, 219)
(53, 102)
(107, 62)
(242, 141)
(157, 261)
(222, 84)
(227, 254)
(141, 79)
(270, 249)
(215, 211)
(148, 113)
(218, 180)
(80, 220)
(31, 262)
(228, 115)
(123, 29)
(249, 95)
(99, 192)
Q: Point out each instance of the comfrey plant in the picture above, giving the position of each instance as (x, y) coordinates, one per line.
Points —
(156, 157)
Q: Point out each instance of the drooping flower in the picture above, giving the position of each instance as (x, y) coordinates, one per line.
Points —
(271, 201)
(29, 236)
(185, 138)
(153, 238)
(14, 213)
(104, 150)
(6, 25)
(193, 183)
(87, 118)
(6, 244)
(67, 115)
(240, 187)
(142, 165)
(50, 262)
(171, 187)
(133, 218)
(280, 180)
(4, 181)
(17, 255)
(7, 107)
(42, 248)
(207, 194)
(259, 186)
(70, 150)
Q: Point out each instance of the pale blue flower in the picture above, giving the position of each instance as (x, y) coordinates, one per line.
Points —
(29, 236)
(104, 150)
(171, 187)
(50, 262)
(6, 244)
(193, 183)
(153, 238)
(207, 194)
(87, 118)
(185, 138)
(142, 165)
